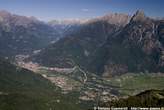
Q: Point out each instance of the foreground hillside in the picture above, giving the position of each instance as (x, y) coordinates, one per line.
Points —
(23, 89)
(149, 98)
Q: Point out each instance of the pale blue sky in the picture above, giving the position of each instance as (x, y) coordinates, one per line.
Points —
(69, 9)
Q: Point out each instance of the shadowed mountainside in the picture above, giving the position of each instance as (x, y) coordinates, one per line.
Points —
(102, 46)
(23, 89)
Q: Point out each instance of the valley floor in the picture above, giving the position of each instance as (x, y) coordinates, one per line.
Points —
(89, 87)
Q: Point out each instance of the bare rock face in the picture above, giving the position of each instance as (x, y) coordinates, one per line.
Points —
(138, 47)
(118, 19)
(139, 16)
(141, 45)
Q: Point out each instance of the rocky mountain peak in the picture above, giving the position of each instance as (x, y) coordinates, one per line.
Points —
(139, 16)
(4, 13)
(117, 18)
(17, 20)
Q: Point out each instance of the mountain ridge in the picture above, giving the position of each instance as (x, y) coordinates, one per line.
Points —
(125, 49)
(23, 35)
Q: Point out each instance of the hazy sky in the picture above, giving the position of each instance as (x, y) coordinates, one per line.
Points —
(69, 9)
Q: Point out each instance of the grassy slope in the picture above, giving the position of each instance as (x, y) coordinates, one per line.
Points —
(22, 89)
(134, 83)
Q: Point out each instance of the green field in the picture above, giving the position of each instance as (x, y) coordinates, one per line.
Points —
(131, 84)
(124, 86)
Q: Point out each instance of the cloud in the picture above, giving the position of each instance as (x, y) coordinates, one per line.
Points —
(85, 10)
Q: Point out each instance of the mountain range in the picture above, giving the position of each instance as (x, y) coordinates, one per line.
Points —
(81, 43)
(23, 35)
(106, 47)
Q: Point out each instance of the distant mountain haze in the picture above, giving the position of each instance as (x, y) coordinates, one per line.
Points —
(23, 35)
